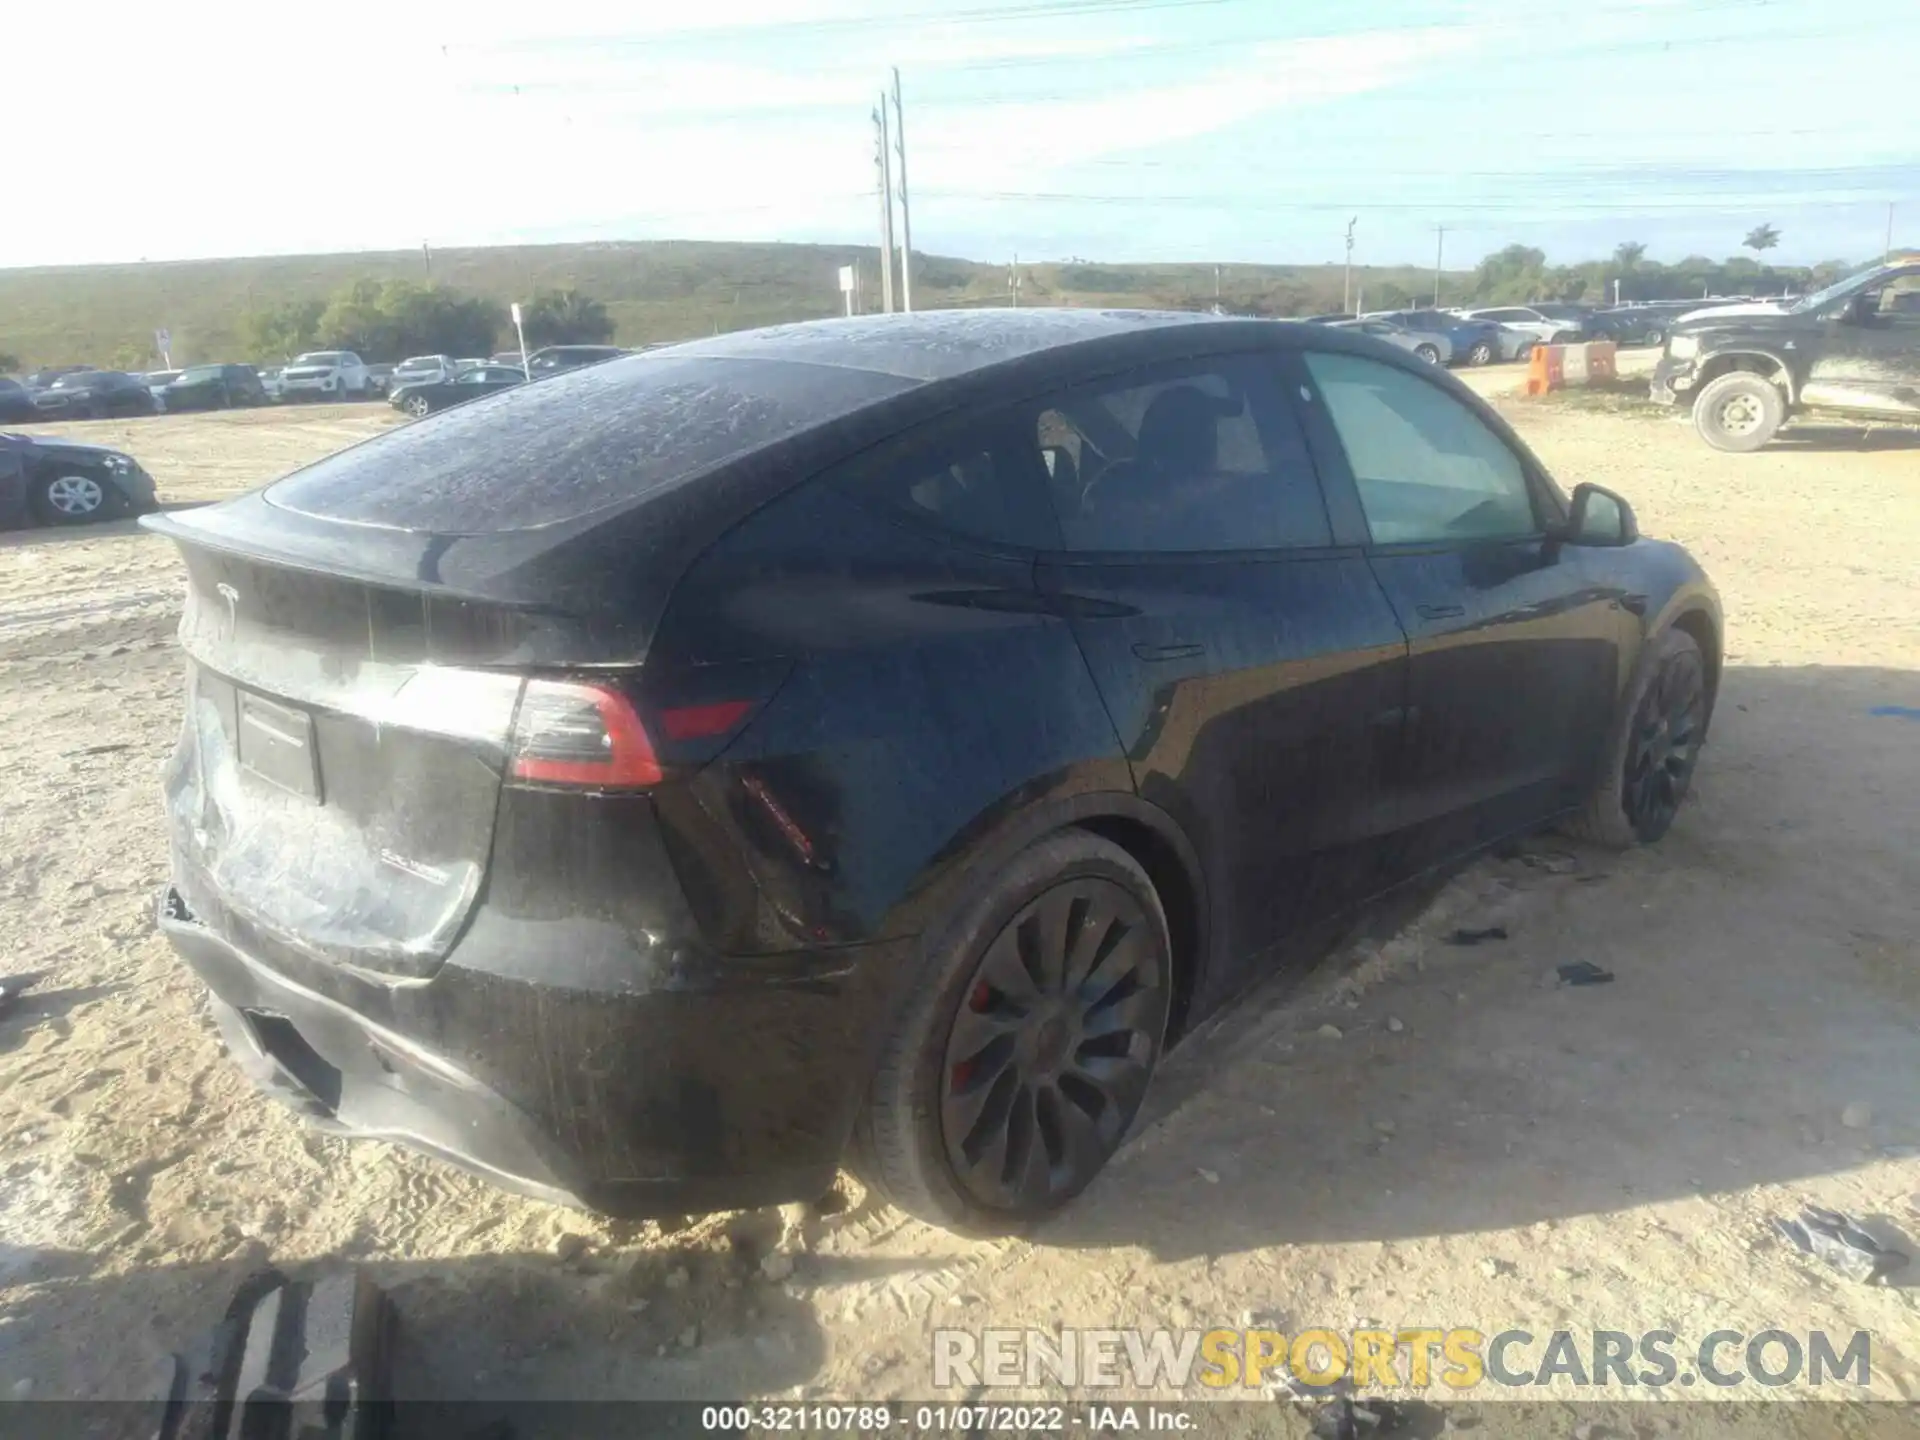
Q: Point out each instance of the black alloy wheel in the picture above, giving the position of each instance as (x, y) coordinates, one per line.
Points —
(1664, 744)
(1051, 1048)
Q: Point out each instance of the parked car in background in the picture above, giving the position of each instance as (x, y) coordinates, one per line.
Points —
(1542, 327)
(62, 482)
(214, 387)
(1513, 344)
(1474, 342)
(1630, 325)
(16, 401)
(556, 358)
(1328, 319)
(379, 379)
(505, 357)
(421, 370)
(734, 778)
(467, 362)
(325, 375)
(157, 381)
(94, 395)
(1852, 350)
(40, 379)
(270, 382)
(470, 384)
(1430, 346)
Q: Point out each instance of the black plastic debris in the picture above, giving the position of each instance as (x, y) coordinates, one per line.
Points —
(1584, 972)
(11, 989)
(1349, 1419)
(1829, 1236)
(291, 1358)
(1477, 937)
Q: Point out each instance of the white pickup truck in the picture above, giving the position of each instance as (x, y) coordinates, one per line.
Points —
(325, 375)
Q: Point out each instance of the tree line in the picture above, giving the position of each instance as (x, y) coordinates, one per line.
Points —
(397, 318)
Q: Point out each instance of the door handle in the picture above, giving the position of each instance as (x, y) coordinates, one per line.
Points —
(1440, 612)
(1168, 652)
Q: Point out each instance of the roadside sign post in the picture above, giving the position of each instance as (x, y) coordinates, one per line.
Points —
(520, 331)
(846, 286)
(163, 344)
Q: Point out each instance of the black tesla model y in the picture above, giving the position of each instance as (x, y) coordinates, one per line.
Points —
(877, 739)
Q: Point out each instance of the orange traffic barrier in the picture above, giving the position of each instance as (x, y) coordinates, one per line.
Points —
(1546, 369)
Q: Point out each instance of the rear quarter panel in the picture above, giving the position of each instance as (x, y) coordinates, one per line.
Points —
(933, 697)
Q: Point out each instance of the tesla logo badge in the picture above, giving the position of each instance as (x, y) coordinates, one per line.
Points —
(232, 597)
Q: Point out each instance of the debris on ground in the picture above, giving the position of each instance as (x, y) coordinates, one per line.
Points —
(1554, 862)
(1464, 936)
(1839, 1241)
(1328, 1032)
(1350, 1419)
(1395, 1024)
(1584, 972)
(11, 989)
(1857, 1116)
(569, 1248)
(285, 1347)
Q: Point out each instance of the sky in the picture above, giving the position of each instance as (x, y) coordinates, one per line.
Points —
(1123, 130)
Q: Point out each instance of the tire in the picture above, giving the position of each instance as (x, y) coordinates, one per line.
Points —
(71, 498)
(1655, 336)
(926, 1138)
(1428, 353)
(1648, 769)
(1740, 412)
(1481, 354)
(418, 406)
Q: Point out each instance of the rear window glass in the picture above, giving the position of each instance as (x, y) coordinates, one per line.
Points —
(580, 442)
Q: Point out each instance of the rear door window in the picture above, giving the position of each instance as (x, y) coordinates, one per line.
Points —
(1198, 457)
(973, 478)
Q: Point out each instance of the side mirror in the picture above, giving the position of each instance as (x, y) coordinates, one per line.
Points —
(1599, 517)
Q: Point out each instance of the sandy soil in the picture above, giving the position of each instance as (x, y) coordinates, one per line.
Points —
(1474, 1149)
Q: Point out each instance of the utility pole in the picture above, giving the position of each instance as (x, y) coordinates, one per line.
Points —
(1346, 285)
(1013, 281)
(427, 255)
(1439, 249)
(885, 177)
(1216, 285)
(906, 214)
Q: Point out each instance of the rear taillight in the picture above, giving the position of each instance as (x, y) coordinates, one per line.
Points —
(569, 732)
(572, 734)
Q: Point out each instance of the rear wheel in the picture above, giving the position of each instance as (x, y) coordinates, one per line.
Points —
(1428, 353)
(1481, 354)
(1740, 411)
(417, 406)
(1016, 1067)
(1655, 747)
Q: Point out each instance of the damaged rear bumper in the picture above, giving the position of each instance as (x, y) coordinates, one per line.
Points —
(728, 1091)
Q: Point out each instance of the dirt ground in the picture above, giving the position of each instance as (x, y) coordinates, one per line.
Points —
(1474, 1148)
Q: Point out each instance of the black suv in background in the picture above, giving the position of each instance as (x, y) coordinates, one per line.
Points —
(1852, 349)
(214, 387)
(94, 395)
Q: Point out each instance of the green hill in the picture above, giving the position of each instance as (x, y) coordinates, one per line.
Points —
(659, 290)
